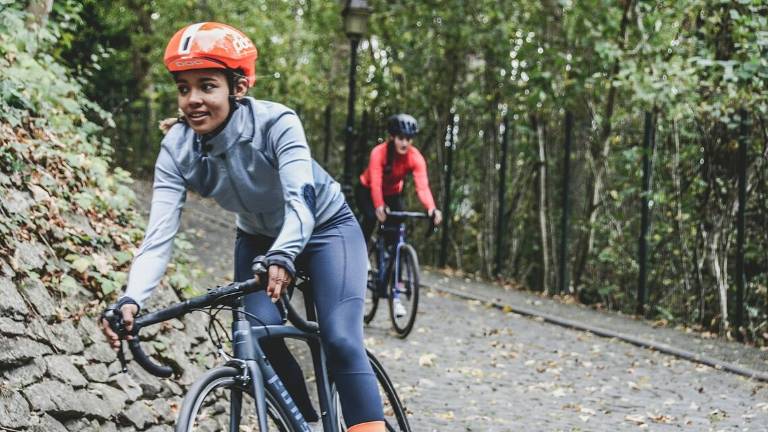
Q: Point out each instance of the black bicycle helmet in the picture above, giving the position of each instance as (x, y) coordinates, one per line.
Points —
(402, 124)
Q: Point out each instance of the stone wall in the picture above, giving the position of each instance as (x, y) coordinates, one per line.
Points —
(58, 374)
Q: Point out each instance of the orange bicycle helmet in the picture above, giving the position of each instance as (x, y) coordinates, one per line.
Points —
(211, 45)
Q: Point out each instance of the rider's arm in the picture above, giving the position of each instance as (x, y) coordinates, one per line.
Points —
(289, 148)
(420, 179)
(151, 260)
(376, 169)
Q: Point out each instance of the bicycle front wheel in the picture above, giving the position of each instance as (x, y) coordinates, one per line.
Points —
(218, 401)
(372, 290)
(404, 289)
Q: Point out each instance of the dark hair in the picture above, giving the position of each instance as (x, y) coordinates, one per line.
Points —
(390, 155)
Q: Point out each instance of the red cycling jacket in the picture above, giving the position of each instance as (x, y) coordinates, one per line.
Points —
(382, 184)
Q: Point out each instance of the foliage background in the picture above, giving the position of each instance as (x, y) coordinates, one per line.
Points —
(66, 216)
(694, 64)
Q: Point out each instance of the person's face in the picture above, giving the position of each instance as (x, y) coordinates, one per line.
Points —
(203, 97)
(402, 143)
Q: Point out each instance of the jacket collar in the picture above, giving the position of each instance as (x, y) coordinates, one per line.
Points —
(236, 130)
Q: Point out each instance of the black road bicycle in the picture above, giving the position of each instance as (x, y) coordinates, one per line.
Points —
(245, 394)
(394, 274)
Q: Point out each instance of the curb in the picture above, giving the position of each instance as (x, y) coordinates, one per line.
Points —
(640, 342)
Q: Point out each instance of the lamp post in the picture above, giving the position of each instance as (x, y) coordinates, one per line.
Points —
(355, 13)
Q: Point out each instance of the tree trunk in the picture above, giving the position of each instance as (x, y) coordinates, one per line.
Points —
(721, 279)
(39, 9)
(598, 159)
(447, 177)
(543, 230)
(679, 210)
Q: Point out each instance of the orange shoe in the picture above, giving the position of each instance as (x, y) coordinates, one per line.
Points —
(374, 426)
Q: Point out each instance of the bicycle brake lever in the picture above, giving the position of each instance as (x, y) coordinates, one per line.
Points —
(283, 309)
(116, 323)
(121, 357)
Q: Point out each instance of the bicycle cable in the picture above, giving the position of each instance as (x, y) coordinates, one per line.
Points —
(214, 321)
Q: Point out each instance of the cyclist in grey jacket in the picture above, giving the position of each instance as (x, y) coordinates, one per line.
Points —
(258, 166)
(252, 158)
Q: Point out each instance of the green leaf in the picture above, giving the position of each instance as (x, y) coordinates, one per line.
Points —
(68, 285)
(82, 264)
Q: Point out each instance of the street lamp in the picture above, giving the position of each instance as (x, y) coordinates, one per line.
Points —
(355, 13)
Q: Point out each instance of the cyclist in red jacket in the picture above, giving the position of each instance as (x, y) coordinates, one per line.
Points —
(381, 184)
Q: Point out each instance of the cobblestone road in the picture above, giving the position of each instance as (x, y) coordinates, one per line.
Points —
(473, 368)
(468, 367)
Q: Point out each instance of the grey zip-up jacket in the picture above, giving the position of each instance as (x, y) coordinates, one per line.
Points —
(258, 167)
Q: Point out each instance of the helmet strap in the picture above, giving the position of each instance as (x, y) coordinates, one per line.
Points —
(233, 77)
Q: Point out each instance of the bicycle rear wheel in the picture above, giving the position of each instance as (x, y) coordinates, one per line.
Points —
(395, 418)
(371, 291)
(404, 287)
(218, 401)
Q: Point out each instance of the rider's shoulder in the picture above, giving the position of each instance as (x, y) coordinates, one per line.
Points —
(178, 137)
(268, 112)
(413, 152)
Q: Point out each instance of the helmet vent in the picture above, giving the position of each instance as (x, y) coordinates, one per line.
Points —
(186, 38)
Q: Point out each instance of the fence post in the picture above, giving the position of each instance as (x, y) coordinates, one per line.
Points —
(144, 134)
(648, 145)
(740, 222)
(447, 201)
(362, 144)
(327, 135)
(502, 193)
(565, 203)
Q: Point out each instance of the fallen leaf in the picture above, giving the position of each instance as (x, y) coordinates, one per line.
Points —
(638, 419)
(427, 360)
(661, 418)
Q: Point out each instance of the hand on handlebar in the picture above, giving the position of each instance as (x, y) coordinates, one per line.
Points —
(381, 213)
(278, 278)
(279, 281)
(128, 312)
(437, 216)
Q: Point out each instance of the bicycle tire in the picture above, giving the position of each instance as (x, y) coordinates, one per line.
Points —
(392, 401)
(408, 291)
(371, 301)
(220, 383)
(395, 417)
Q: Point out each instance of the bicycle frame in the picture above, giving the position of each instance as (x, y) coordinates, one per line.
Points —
(248, 355)
(383, 265)
(385, 262)
(245, 349)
